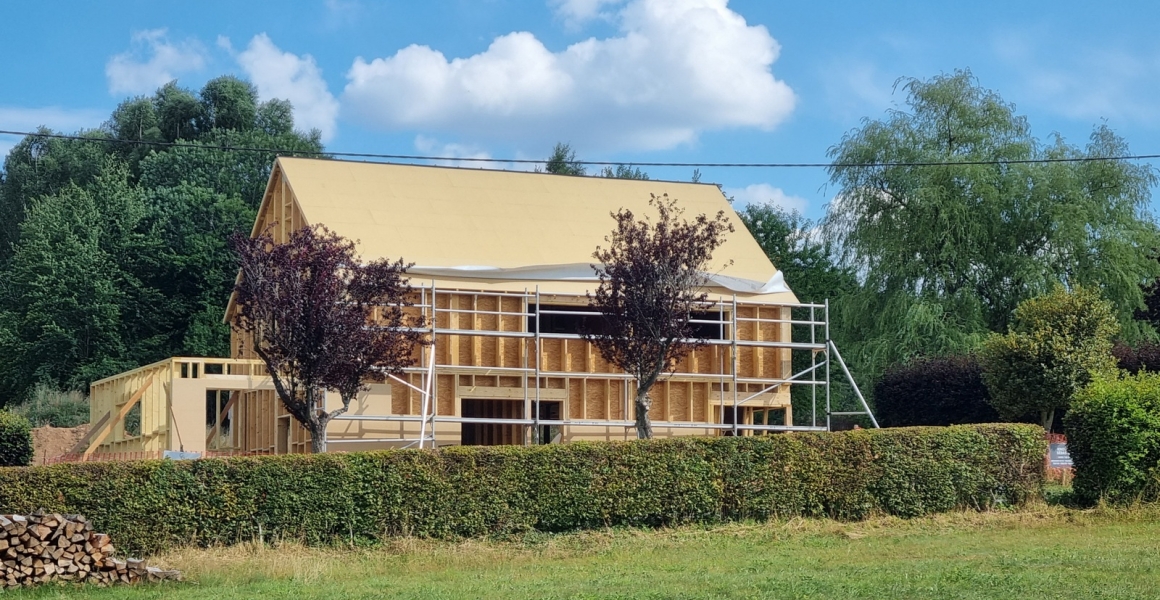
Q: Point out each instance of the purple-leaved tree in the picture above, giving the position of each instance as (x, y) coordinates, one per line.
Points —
(321, 319)
(652, 279)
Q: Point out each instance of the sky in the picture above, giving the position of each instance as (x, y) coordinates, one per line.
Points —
(622, 80)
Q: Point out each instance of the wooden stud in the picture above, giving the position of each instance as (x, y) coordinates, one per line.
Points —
(108, 428)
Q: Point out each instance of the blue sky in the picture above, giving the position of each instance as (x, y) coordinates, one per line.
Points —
(625, 80)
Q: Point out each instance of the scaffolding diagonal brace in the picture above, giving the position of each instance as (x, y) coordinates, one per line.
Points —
(842, 363)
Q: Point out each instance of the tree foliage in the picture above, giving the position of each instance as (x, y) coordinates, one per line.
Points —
(562, 161)
(944, 390)
(623, 172)
(321, 319)
(946, 253)
(1058, 343)
(113, 252)
(652, 276)
(795, 247)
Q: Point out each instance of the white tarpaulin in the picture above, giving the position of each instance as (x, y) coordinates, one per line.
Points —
(584, 272)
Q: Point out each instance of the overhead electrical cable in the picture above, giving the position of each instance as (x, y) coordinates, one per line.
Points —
(728, 165)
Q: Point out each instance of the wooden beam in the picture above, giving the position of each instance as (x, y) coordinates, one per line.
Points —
(108, 427)
(225, 411)
(84, 441)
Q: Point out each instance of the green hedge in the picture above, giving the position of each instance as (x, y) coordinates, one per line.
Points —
(1113, 437)
(469, 491)
(15, 440)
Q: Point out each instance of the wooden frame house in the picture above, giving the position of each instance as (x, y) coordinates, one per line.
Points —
(501, 269)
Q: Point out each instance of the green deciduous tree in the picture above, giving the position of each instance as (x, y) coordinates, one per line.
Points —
(946, 253)
(805, 257)
(126, 261)
(1058, 343)
(563, 161)
(623, 172)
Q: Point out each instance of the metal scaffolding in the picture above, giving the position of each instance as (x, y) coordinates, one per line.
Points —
(533, 373)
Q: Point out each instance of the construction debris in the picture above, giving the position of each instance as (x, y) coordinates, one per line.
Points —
(48, 547)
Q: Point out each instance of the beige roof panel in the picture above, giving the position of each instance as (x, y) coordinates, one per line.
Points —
(455, 217)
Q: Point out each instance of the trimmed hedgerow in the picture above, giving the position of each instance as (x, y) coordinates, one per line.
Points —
(1113, 437)
(15, 440)
(148, 506)
(944, 390)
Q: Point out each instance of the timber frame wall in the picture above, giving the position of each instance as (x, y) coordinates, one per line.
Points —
(487, 346)
(523, 385)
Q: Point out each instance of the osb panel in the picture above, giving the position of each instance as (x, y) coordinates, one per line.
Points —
(616, 400)
(746, 329)
(552, 351)
(575, 398)
(445, 396)
(700, 401)
(594, 397)
(679, 401)
(745, 362)
(660, 398)
(442, 318)
(401, 396)
(510, 382)
(554, 383)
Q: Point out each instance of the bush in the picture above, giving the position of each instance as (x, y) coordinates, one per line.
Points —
(1113, 436)
(946, 390)
(1144, 357)
(1058, 343)
(149, 506)
(49, 406)
(15, 440)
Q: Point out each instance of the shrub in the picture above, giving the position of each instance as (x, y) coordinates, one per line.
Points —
(15, 440)
(1058, 343)
(1113, 436)
(148, 506)
(1144, 357)
(49, 406)
(946, 390)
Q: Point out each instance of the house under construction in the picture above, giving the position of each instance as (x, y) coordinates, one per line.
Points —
(501, 271)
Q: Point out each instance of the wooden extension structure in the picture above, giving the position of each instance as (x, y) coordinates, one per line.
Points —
(501, 272)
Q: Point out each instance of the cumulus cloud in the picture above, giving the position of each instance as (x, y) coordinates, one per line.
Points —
(287, 76)
(578, 12)
(1084, 83)
(430, 146)
(152, 61)
(677, 68)
(763, 193)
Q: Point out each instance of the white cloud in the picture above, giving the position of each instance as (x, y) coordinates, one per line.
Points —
(578, 12)
(66, 120)
(763, 193)
(152, 61)
(1081, 83)
(432, 147)
(678, 68)
(856, 88)
(284, 75)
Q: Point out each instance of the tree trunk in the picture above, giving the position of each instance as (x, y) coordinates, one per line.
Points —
(318, 436)
(643, 424)
(1046, 418)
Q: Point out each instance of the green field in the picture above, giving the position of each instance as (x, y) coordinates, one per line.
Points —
(1041, 552)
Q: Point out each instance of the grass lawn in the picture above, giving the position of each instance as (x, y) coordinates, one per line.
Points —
(1039, 552)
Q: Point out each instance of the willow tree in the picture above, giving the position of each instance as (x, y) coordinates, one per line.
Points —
(945, 252)
(652, 279)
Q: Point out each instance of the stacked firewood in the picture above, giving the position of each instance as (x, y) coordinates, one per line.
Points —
(44, 547)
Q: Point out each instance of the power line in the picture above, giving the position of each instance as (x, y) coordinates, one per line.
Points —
(598, 163)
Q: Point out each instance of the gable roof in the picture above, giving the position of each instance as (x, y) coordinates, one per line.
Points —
(492, 227)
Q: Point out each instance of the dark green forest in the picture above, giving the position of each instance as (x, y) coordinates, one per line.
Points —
(113, 253)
